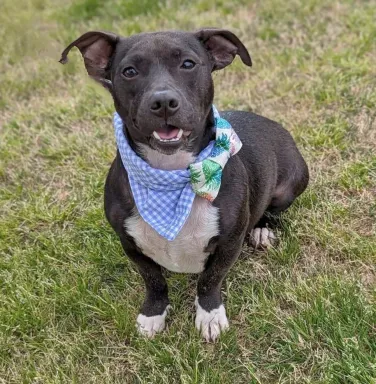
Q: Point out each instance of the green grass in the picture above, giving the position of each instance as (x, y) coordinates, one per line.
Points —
(303, 313)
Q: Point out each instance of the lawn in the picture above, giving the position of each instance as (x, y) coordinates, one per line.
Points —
(305, 312)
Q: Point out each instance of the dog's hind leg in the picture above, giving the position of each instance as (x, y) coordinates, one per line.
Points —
(263, 234)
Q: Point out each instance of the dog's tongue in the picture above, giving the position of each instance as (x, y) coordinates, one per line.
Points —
(168, 134)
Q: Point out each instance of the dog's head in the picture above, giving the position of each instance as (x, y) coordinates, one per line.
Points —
(161, 82)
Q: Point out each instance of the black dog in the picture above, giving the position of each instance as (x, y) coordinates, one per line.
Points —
(161, 85)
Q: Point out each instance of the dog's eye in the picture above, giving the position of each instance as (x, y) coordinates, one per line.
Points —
(188, 64)
(130, 72)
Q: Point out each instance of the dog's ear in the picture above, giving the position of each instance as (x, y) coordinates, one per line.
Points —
(223, 46)
(97, 49)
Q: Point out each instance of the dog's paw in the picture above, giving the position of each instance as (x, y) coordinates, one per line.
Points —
(150, 325)
(212, 323)
(262, 238)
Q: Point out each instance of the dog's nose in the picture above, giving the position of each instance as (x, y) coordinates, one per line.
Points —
(164, 103)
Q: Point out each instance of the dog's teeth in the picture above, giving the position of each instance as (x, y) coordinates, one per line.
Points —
(155, 134)
(177, 138)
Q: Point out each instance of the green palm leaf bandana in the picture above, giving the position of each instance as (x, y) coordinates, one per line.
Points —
(206, 175)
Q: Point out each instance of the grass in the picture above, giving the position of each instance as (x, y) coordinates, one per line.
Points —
(302, 313)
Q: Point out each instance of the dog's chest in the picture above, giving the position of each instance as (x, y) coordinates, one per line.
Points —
(187, 252)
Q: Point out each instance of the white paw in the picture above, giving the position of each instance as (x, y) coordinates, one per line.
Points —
(150, 325)
(211, 323)
(262, 238)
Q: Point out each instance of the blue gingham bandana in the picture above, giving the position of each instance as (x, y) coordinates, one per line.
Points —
(164, 198)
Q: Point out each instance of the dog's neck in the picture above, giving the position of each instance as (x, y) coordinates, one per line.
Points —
(179, 160)
(182, 158)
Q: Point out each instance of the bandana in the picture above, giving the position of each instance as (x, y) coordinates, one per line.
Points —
(164, 198)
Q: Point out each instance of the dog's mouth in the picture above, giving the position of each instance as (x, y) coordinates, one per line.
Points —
(170, 134)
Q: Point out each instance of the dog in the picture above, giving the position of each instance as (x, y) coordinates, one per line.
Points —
(162, 88)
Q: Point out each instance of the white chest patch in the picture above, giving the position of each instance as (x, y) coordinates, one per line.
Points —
(185, 253)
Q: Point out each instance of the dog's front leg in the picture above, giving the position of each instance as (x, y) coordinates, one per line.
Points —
(152, 316)
(211, 316)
